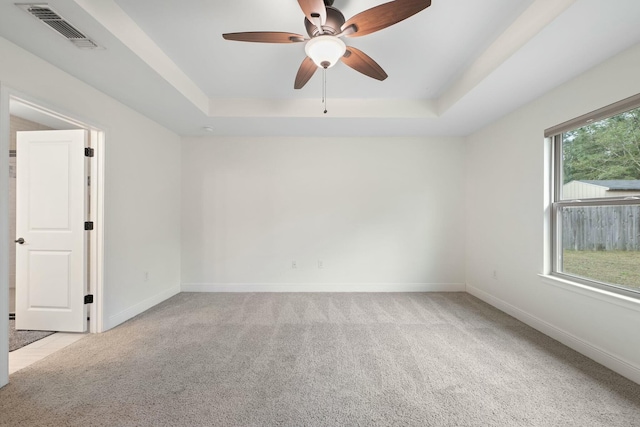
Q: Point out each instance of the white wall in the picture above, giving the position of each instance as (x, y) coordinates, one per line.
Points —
(142, 185)
(380, 213)
(4, 237)
(506, 229)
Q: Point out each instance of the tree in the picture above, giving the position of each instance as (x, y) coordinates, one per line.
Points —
(607, 149)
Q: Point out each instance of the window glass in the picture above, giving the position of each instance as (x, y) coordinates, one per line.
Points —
(602, 159)
(602, 243)
(596, 208)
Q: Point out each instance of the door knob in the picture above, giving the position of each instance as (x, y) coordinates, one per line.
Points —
(20, 240)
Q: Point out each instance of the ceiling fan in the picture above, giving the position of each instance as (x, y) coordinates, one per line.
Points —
(325, 25)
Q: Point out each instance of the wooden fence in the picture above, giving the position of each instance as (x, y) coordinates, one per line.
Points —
(600, 228)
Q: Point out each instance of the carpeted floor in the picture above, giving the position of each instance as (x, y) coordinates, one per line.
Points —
(18, 339)
(319, 360)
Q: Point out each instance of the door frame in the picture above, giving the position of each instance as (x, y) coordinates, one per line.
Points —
(96, 243)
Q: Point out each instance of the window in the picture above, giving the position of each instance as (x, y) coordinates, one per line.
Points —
(596, 198)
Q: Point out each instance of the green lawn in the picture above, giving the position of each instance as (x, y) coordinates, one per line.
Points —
(615, 267)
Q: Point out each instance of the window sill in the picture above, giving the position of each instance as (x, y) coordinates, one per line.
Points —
(595, 293)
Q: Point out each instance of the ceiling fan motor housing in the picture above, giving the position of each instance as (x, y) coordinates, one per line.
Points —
(335, 20)
(325, 48)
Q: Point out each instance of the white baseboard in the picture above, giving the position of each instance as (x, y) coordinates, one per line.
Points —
(140, 307)
(323, 287)
(611, 361)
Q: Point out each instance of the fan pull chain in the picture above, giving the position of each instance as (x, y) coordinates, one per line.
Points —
(324, 89)
(323, 83)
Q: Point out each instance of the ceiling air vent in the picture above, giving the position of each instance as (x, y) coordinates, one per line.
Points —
(57, 23)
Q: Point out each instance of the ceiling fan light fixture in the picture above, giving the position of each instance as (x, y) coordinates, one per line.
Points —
(325, 51)
(324, 23)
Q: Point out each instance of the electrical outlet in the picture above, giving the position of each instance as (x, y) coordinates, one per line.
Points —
(320, 264)
(294, 265)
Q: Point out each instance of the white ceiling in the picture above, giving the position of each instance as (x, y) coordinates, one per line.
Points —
(453, 68)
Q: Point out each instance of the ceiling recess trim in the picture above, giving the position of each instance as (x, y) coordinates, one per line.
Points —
(521, 31)
(43, 13)
(109, 14)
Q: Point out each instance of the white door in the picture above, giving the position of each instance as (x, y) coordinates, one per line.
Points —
(51, 208)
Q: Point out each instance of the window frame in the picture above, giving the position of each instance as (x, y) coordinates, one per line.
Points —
(557, 204)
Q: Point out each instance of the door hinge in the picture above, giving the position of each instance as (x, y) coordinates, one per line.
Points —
(88, 152)
(88, 225)
(88, 299)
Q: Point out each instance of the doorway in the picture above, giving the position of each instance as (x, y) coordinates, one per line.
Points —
(23, 120)
(27, 116)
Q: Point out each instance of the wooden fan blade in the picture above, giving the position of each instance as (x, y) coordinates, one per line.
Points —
(306, 70)
(360, 61)
(383, 16)
(264, 37)
(314, 9)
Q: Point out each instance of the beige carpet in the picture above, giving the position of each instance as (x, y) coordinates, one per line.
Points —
(319, 360)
